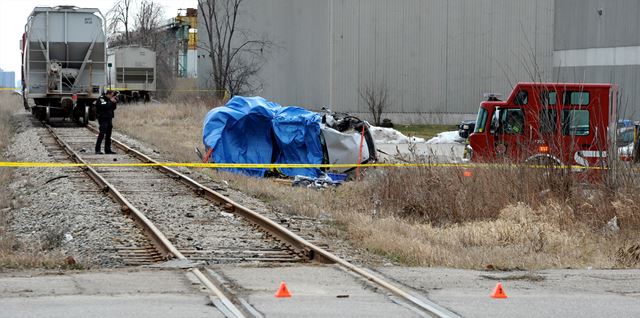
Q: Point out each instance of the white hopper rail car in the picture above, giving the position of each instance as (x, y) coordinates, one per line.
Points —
(64, 62)
(132, 72)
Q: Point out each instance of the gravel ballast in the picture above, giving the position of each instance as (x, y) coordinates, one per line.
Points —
(61, 209)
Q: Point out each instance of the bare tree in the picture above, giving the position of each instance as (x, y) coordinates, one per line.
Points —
(236, 57)
(142, 23)
(377, 99)
(120, 16)
(150, 32)
(145, 28)
(147, 23)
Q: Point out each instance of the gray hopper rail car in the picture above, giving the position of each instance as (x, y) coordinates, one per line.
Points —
(64, 62)
(132, 72)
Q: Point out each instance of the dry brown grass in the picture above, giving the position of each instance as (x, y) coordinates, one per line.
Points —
(502, 219)
(13, 253)
(433, 217)
(9, 105)
(173, 129)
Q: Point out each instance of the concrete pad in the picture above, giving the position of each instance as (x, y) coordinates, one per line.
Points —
(318, 291)
(553, 293)
(115, 294)
(119, 305)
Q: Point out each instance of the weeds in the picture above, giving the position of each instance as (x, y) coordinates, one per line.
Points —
(174, 129)
(500, 219)
(52, 239)
(13, 253)
(9, 105)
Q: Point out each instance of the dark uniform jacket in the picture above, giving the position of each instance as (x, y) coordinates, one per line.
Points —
(105, 108)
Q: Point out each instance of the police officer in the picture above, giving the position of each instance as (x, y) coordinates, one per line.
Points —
(105, 107)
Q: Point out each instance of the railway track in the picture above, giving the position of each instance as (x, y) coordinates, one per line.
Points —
(197, 229)
(177, 216)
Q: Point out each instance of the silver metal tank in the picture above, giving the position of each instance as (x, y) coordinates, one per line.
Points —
(64, 60)
(132, 71)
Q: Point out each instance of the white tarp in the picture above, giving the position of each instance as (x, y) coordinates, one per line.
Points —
(447, 137)
(383, 135)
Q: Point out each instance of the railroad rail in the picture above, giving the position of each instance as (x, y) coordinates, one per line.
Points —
(299, 249)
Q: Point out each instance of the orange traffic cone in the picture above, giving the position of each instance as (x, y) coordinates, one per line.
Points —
(498, 292)
(283, 291)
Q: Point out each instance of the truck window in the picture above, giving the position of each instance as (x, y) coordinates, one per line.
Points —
(512, 121)
(576, 98)
(522, 98)
(549, 98)
(625, 136)
(481, 121)
(575, 122)
(547, 121)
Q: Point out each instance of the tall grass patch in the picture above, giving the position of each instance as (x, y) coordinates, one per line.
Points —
(503, 218)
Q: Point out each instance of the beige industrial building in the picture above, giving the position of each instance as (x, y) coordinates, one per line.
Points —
(436, 58)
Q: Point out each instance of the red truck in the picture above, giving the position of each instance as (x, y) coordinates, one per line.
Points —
(547, 123)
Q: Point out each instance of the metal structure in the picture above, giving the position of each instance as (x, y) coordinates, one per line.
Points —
(437, 58)
(64, 61)
(597, 41)
(7, 79)
(185, 29)
(132, 72)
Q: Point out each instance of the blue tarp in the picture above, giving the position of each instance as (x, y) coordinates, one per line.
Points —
(254, 130)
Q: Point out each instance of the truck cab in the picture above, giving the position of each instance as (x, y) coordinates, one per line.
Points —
(547, 123)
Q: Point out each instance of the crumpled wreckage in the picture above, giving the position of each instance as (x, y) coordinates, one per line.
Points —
(254, 130)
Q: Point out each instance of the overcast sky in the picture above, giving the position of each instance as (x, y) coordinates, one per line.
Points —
(14, 13)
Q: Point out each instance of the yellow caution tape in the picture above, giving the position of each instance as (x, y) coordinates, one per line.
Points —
(287, 166)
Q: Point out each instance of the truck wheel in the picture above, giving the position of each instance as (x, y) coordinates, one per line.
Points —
(549, 166)
(543, 160)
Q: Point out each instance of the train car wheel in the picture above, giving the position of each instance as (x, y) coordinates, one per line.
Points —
(85, 116)
(39, 113)
(47, 114)
(92, 112)
(75, 116)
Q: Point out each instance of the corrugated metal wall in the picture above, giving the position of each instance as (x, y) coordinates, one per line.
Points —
(436, 57)
(297, 72)
(600, 45)
(579, 26)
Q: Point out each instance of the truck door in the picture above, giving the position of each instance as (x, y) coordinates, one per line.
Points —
(546, 138)
(509, 133)
(577, 129)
